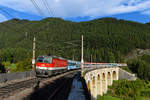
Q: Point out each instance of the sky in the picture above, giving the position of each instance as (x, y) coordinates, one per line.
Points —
(75, 10)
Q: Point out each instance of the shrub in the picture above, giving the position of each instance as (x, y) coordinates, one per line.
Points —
(127, 89)
(7, 63)
(145, 93)
(24, 65)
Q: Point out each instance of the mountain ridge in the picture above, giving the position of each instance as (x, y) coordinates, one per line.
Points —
(102, 37)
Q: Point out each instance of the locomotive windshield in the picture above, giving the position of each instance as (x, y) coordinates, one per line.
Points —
(44, 59)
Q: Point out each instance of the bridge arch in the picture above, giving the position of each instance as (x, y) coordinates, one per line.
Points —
(114, 74)
(99, 85)
(98, 80)
(104, 84)
(94, 89)
(93, 80)
(88, 86)
(109, 78)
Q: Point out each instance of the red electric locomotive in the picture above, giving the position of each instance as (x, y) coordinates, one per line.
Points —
(50, 65)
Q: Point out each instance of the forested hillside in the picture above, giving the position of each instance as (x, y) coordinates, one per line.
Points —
(105, 40)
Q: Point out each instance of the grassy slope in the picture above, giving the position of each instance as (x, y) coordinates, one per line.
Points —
(109, 98)
(145, 98)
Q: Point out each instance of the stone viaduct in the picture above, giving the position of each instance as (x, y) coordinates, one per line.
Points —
(98, 80)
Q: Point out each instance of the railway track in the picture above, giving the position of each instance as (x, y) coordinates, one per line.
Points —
(57, 89)
(63, 89)
(10, 89)
(36, 85)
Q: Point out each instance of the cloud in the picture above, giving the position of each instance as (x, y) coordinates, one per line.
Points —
(19, 5)
(146, 12)
(131, 8)
(2, 18)
(74, 8)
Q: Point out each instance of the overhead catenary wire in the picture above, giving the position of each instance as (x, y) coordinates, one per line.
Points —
(50, 11)
(6, 12)
(11, 16)
(37, 7)
(17, 22)
(41, 29)
(22, 25)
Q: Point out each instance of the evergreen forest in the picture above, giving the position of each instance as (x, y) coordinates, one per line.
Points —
(105, 40)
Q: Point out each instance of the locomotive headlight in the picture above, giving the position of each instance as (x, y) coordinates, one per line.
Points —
(37, 67)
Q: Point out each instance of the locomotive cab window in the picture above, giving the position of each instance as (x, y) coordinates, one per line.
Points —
(39, 59)
(44, 59)
(47, 60)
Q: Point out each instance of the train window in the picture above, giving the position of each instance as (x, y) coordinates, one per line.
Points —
(47, 60)
(39, 59)
(44, 60)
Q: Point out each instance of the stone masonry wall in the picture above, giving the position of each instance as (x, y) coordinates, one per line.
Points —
(126, 75)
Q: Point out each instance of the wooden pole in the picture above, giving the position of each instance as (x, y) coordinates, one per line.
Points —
(34, 50)
(82, 61)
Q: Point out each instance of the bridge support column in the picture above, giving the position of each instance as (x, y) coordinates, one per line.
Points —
(114, 75)
(109, 78)
(91, 90)
(99, 85)
(95, 94)
(104, 82)
(94, 88)
(117, 73)
(88, 86)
